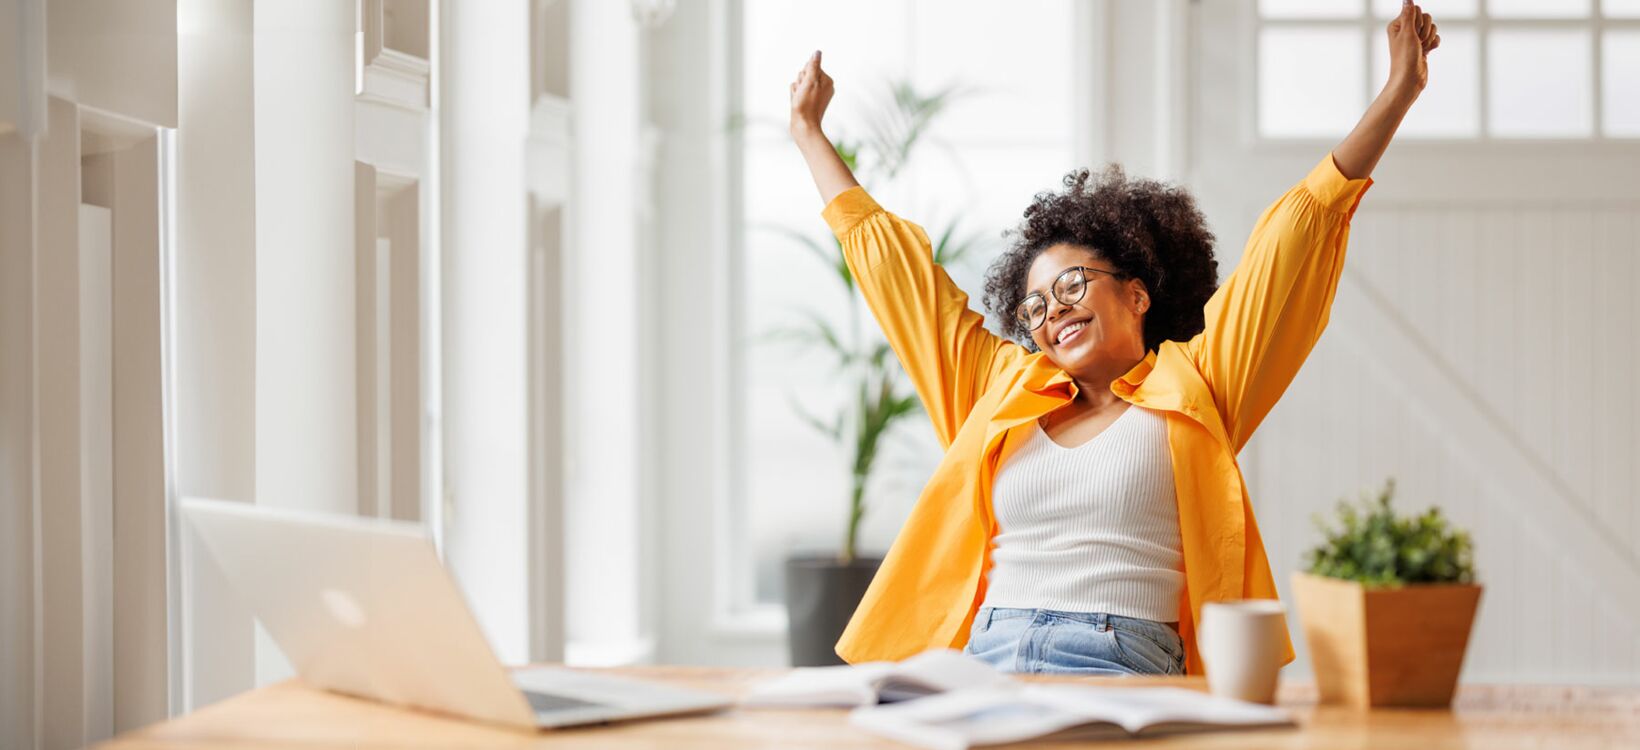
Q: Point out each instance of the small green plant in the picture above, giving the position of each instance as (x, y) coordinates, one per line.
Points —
(1374, 546)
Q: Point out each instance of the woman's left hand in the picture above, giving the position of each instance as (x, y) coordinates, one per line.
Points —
(1411, 37)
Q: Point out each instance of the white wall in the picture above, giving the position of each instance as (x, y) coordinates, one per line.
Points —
(17, 446)
(141, 637)
(62, 558)
(82, 352)
(96, 452)
(74, 662)
(117, 57)
(1498, 385)
(22, 66)
(1479, 352)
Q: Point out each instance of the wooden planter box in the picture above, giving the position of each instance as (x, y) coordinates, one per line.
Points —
(1389, 646)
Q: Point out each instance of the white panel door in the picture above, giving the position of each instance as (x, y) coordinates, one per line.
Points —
(1481, 350)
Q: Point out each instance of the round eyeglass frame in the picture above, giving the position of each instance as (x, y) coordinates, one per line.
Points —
(1077, 275)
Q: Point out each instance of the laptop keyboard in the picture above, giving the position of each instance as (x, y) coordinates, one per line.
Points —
(551, 703)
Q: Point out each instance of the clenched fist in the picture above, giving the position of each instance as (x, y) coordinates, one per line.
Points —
(1411, 37)
(811, 92)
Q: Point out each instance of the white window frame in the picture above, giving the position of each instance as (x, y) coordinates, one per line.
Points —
(735, 609)
(1597, 24)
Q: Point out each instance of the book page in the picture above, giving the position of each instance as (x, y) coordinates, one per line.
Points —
(936, 671)
(886, 682)
(844, 685)
(1015, 712)
(973, 717)
(1138, 709)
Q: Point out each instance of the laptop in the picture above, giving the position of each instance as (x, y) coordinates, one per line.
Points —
(363, 607)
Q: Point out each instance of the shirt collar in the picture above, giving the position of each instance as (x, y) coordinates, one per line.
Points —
(1044, 377)
(1130, 382)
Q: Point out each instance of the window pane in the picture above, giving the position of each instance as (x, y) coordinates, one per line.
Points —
(1450, 104)
(1310, 8)
(780, 36)
(777, 516)
(998, 181)
(1540, 83)
(1538, 8)
(1440, 9)
(1310, 80)
(1621, 8)
(1622, 86)
(1014, 60)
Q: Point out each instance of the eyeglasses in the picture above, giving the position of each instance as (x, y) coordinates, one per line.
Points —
(1069, 289)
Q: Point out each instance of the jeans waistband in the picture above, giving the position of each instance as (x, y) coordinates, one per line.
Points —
(1100, 620)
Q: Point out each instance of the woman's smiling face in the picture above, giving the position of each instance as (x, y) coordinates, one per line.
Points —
(1105, 326)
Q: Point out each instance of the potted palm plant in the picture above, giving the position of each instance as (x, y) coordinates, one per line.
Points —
(822, 590)
(1386, 605)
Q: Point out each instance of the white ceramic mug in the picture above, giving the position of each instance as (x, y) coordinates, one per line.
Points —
(1241, 644)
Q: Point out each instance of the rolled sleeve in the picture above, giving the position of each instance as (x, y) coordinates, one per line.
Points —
(848, 209)
(1333, 190)
(944, 347)
(1266, 318)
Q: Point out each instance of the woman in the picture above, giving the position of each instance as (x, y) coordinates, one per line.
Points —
(1089, 501)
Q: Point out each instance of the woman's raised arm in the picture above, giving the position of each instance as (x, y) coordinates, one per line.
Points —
(943, 345)
(1263, 322)
(811, 92)
(1411, 36)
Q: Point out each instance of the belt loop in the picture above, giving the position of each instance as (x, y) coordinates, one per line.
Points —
(989, 613)
(1101, 621)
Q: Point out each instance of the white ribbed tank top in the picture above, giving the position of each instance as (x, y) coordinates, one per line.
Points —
(1093, 528)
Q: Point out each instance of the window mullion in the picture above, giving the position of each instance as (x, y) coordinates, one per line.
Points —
(1483, 53)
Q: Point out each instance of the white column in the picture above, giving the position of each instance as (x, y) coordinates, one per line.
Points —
(305, 386)
(608, 296)
(484, 115)
(692, 62)
(214, 324)
(306, 428)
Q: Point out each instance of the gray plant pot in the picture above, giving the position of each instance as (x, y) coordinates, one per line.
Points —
(821, 594)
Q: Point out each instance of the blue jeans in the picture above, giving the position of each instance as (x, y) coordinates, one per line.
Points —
(1053, 642)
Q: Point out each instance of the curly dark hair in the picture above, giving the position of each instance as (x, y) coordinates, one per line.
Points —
(1147, 229)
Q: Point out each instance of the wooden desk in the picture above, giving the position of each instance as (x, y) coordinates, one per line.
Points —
(288, 715)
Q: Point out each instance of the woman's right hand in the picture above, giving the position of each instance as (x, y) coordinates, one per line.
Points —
(811, 92)
(1412, 36)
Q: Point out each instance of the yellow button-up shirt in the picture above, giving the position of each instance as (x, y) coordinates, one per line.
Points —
(982, 393)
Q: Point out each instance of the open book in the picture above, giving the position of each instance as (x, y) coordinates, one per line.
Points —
(876, 682)
(1018, 712)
